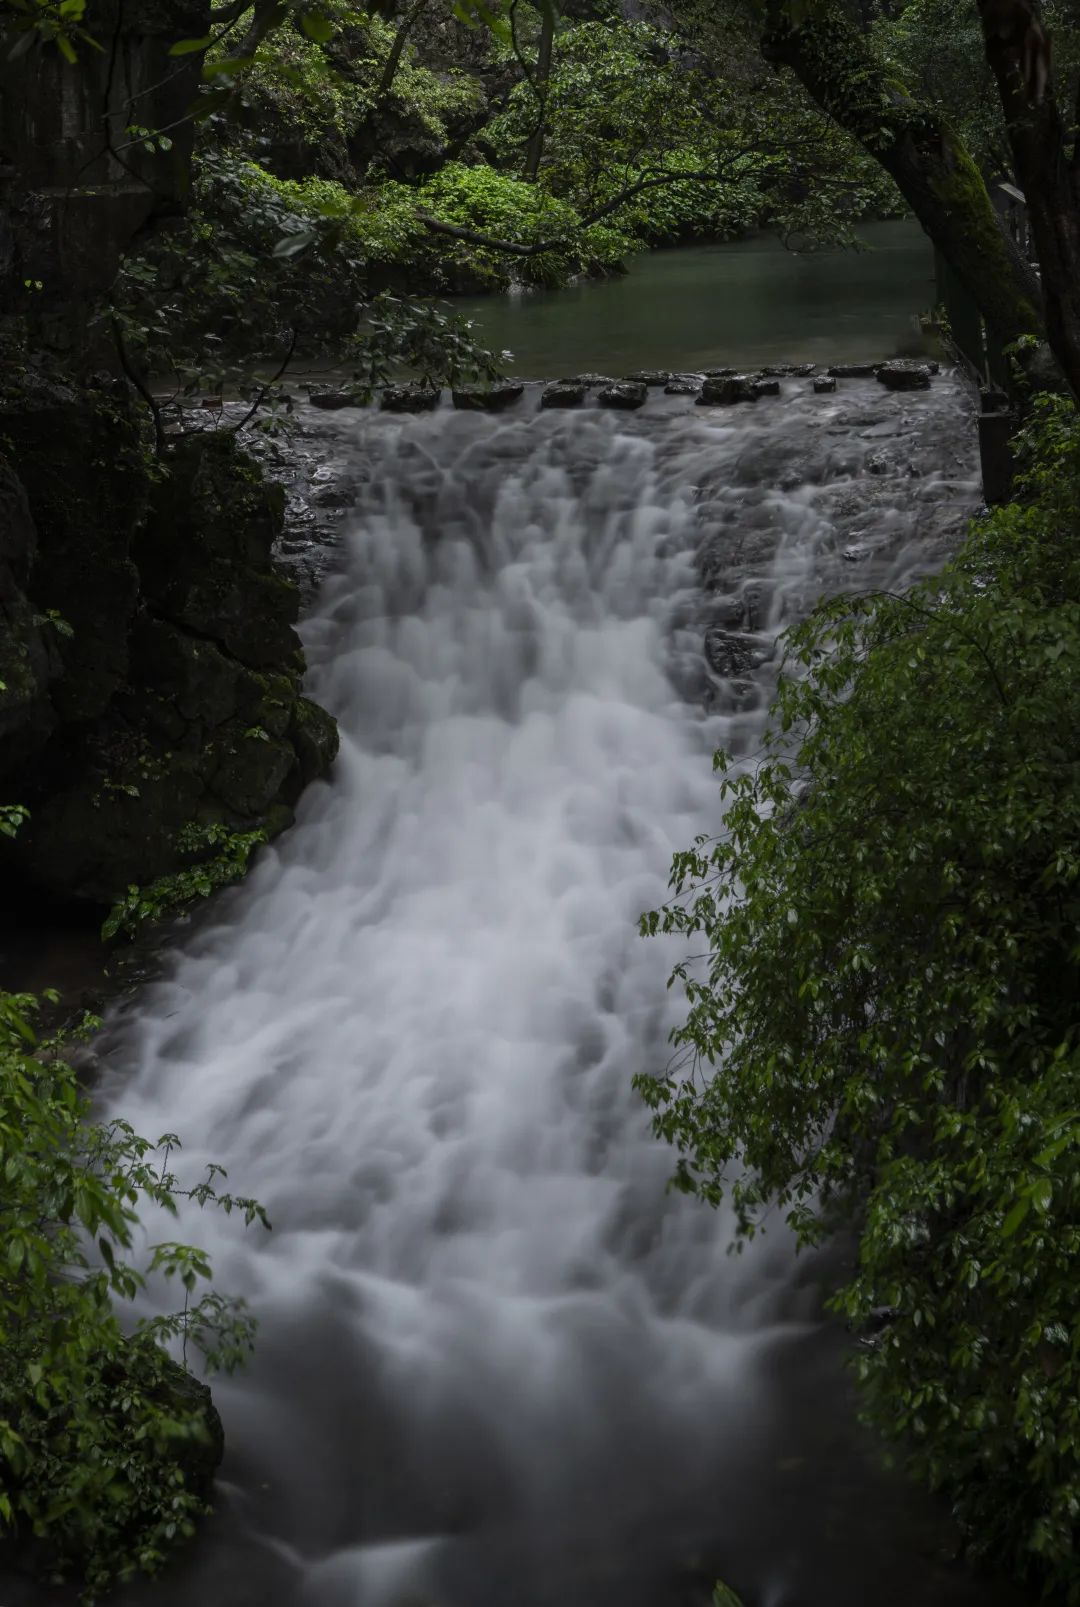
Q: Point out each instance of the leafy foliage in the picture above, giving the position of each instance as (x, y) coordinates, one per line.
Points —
(99, 1439)
(887, 1024)
(227, 862)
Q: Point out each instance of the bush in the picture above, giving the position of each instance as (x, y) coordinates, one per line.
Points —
(892, 994)
(106, 1445)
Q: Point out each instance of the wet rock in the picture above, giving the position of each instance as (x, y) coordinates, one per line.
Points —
(790, 370)
(856, 552)
(728, 613)
(824, 385)
(724, 392)
(730, 655)
(564, 393)
(879, 463)
(684, 384)
(649, 376)
(766, 387)
(719, 373)
(331, 400)
(409, 399)
(623, 393)
(853, 370)
(590, 381)
(904, 374)
(488, 398)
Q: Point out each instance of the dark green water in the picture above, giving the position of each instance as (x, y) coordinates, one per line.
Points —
(747, 301)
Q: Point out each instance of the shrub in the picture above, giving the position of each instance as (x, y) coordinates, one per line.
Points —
(887, 1026)
(105, 1443)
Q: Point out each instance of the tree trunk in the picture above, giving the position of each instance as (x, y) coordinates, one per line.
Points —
(935, 174)
(540, 85)
(1018, 54)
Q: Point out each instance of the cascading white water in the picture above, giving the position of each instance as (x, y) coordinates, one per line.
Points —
(497, 1363)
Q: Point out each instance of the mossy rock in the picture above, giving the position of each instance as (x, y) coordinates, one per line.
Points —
(80, 459)
(250, 771)
(192, 674)
(314, 735)
(114, 825)
(204, 557)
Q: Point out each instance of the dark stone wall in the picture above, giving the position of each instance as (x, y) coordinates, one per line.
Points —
(152, 672)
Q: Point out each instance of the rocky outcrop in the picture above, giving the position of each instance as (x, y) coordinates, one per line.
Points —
(158, 671)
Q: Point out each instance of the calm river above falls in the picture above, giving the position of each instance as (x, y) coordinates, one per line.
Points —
(498, 1366)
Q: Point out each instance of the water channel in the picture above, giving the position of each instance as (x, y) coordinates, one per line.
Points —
(497, 1362)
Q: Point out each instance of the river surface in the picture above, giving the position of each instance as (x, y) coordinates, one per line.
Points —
(741, 302)
(497, 1362)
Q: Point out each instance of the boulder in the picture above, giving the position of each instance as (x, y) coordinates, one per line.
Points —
(853, 370)
(488, 398)
(733, 388)
(684, 384)
(766, 387)
(649, 376)
(563, 393)
(623, 393)
(590, 381)
(719, 373)
(904, 374)
(331, 400)
(790, 370)
(409, 399)
(824, 385)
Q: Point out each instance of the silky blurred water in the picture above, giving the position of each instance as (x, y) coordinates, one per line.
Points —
(497, 1362)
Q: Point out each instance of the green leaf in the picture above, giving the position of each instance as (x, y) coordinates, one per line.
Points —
(189, 47)
(317, 27)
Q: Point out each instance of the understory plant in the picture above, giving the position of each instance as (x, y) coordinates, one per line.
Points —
(107, 1445)
(884, 1029)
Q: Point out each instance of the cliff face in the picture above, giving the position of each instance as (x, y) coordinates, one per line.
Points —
(151, 670)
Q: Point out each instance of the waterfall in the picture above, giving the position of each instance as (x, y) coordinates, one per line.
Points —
(497, 1361)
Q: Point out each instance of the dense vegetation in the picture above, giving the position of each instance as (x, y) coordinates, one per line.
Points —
(888, 1012)
(890, 1002)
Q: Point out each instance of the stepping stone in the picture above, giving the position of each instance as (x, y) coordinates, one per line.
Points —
(735, 388)
(903, 374)
(624, 393)
(488, 398)
(684, 384)
(766, 387)
(720, 373)
(331, 400)
(590, 381)
(563, 393)
(408, 399)
(649, 376)
(823, 384)
(853, 370)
